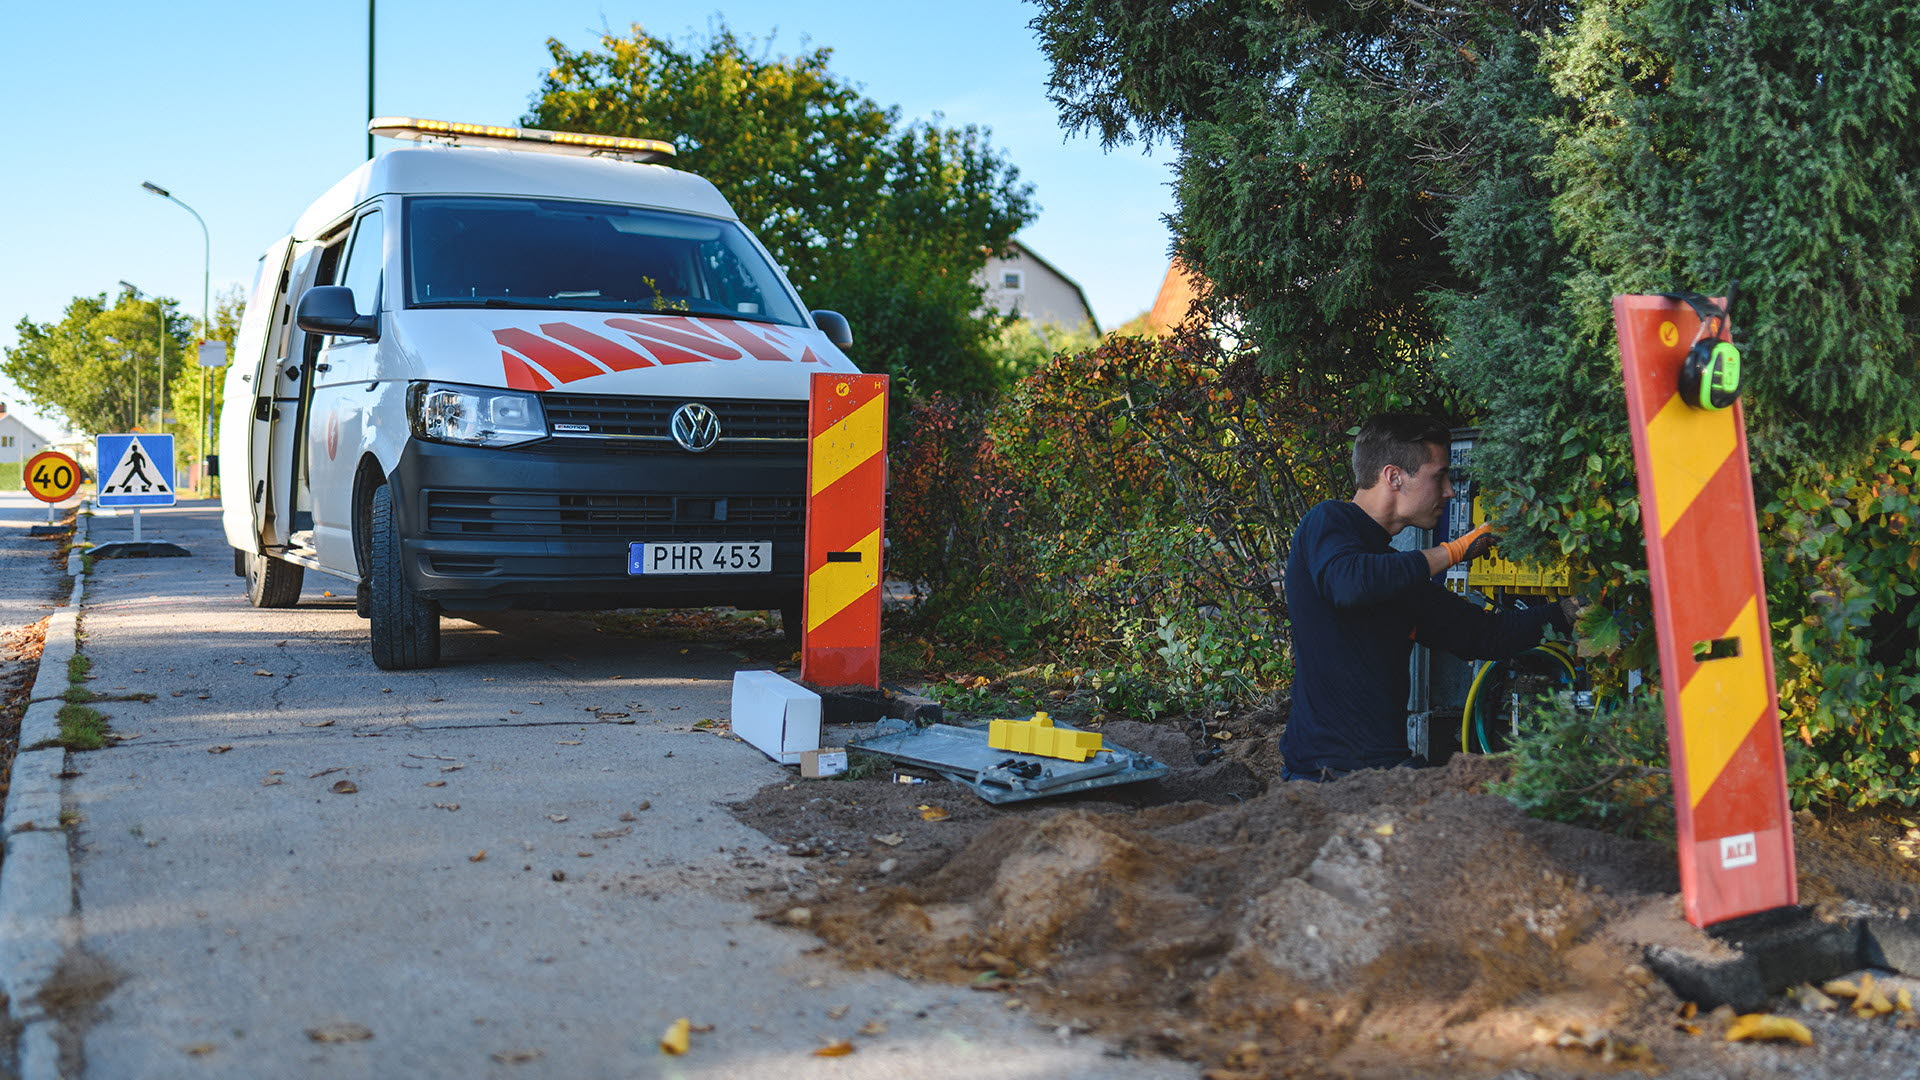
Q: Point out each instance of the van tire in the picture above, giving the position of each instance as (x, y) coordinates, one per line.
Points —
(791, 616)
(272, 583)
(405, 629)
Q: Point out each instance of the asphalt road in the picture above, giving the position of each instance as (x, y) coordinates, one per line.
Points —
(241, 911)
(27, 576)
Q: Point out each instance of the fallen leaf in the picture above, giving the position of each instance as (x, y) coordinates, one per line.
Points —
(480, 856)
(797, 916)
(700, 1029)
(556, 818)
(839, 1012)
(1871, 1001)
(1688, 1010)
(453, 768)
(218, 749)
(608, 834)
(1223, 736)
(890, 839)
(1903, 1000)
(198, 1049)
(436, 699)
(345, 787)
(446, 806)
(319, 723)
(436, 783)
(263, 671)
(934, 813)
(1383, 829)
(1769, 1028)
(837, 1048)
(675, 1040)
(339, 1033)
(536, 703)
(1811, 999)
(1841, 988)
(567, 742)
(517, 1057)
(326, 772)
(874, 1027)
(270, 781)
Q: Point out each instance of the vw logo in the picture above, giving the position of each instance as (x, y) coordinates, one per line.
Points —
(695, 427)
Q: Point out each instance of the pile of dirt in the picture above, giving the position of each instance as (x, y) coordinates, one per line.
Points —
(1390, 924)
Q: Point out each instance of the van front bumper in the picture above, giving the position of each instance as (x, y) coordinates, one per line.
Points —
(549, 525)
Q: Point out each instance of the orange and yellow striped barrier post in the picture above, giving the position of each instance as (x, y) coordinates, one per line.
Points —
(1710, 607)
(846, 497)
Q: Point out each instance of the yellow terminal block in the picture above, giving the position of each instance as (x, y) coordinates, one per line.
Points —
(1039, 736)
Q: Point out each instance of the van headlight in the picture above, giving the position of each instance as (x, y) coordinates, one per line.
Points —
(474, 416)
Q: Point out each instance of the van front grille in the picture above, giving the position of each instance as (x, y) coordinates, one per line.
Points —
(746, 424)
(563, 515)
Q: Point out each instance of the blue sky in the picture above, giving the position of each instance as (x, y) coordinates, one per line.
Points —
(247, 111)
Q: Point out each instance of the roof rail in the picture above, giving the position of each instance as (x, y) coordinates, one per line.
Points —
(513, 138)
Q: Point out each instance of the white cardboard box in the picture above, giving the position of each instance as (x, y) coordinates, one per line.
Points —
(775, 714)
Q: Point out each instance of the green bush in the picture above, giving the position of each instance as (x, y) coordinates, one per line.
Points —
(1841, 575)
(1129, 504)
(1618, 779)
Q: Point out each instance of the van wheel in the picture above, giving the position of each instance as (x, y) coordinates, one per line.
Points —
(272, 583)
(791, 619)
(405, 629)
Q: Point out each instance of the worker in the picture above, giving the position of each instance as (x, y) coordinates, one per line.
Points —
(1358, 606)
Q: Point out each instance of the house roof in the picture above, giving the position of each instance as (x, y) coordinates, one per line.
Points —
(1028, 253)
(1178, 290)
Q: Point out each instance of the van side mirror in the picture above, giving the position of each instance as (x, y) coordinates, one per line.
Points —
(834, 325)
(328, 309)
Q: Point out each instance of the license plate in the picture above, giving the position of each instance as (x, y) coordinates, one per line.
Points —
(701, 557)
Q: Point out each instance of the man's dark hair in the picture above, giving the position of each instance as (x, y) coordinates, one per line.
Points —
(1395, 439)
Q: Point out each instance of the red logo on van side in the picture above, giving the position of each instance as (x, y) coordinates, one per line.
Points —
(563, 352)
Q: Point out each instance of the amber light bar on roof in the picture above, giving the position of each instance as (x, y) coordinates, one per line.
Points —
(565, 142)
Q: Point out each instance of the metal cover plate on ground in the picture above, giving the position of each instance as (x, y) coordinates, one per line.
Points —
(1001, 776)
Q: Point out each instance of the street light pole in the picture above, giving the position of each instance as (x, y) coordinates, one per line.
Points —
(206, 316)
(134, 362)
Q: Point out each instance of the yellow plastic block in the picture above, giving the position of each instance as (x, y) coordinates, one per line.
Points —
(1039, 736)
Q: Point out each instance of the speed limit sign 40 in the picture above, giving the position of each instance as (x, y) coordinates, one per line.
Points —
(51, 476)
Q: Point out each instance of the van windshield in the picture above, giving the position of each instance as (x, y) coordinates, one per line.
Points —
(554, 254)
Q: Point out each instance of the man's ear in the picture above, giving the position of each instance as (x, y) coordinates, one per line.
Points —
(1393, 476)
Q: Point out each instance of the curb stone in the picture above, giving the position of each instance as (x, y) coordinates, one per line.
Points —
(36, 890)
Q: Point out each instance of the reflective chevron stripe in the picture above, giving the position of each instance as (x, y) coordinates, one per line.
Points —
(846, 495)
(1710, 607)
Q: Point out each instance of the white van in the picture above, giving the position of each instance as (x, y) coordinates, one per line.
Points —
(515, 368)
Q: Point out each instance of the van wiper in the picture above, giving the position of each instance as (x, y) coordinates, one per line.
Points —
(698, 313)
(488, 302)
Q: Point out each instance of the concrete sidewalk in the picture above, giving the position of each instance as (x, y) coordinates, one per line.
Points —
(523, 882)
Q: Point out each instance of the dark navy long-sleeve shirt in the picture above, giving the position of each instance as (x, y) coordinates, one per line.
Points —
(1357, 606)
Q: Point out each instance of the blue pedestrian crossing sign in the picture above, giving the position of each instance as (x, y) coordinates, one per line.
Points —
(135, 470)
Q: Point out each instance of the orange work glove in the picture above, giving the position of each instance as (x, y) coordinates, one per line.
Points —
(1472, 545)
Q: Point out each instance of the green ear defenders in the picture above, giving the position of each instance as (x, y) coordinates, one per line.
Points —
(1710, 375)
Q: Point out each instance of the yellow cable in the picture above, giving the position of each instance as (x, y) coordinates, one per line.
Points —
(1551, 648)
(1473, 691)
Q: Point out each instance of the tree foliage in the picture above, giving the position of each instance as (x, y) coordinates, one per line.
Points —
(98, 366)
(1435, 203)
(882, 219)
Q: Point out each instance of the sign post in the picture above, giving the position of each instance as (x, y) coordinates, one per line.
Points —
(1710, 607)
(846, 496)
(136, 470)
(51, 477)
